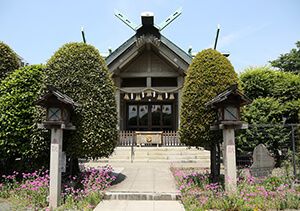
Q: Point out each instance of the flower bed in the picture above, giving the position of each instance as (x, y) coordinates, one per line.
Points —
(78, 192)
(252, 194)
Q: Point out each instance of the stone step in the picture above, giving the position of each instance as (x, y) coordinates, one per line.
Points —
(204, 163)
(141, 196)
(159, 154)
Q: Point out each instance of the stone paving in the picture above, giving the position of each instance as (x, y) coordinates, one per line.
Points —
(142, 186)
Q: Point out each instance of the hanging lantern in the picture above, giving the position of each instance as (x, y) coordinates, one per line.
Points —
(143, 94)
(137, 97)
(154, 94)
(126, 97)
(131, 96)
(166, 95)
(172, 97)
(159, 97)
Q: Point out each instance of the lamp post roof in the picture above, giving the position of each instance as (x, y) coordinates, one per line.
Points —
(58, 95)
(230, 93)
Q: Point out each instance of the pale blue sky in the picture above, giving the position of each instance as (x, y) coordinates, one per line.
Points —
(254, 32)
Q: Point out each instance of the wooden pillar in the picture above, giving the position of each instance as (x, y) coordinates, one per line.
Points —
(118, 101)
(55, 168)
(180, 82)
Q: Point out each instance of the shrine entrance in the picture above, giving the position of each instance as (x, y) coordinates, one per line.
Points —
(154, 116)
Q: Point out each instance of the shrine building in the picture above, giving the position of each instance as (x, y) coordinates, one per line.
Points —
(148, 71)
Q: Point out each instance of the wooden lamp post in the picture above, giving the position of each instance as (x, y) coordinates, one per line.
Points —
(59, 107)
(228, 104)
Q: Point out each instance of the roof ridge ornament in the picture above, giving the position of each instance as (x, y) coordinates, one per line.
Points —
(125, 20)
(170, 19)
(146, 15)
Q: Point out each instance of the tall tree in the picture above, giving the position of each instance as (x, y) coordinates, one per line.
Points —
(9, 60)
(78, 70)
(289, 62)
(18, 92)
(209, 74)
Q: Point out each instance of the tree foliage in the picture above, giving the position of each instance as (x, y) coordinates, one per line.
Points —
(209, 74)
(9, 60)
(78, 70)
(289, 62)
(261, 113)
(264, 82)
(275, 95)
(18, 92)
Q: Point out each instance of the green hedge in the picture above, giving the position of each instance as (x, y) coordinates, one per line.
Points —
(266, 82)
(78, 70)
(18, 91)
(9, 60)
(209, 74)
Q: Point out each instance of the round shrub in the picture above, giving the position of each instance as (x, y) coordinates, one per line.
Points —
(209, 74)
(78, 70)
(9, 60)
(18, 92)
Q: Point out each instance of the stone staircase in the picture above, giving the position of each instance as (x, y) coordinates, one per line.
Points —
(159, 154)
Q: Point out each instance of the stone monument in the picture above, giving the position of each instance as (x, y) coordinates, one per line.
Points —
(263, 162)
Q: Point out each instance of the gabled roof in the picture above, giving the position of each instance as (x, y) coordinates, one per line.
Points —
(132, 40)
(52, 91)
(232, 91)
(162, 44)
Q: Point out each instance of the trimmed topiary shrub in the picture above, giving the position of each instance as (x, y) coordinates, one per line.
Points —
(18, 92)
(209, 74)
(78, 70)
(9, 60)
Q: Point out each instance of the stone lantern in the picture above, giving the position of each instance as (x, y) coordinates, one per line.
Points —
(227, 105)
(59, 108)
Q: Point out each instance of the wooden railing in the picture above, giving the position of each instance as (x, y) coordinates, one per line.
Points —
(170, 138)
(126, 138)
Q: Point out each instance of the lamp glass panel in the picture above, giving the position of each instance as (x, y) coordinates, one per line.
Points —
(54, 114)
(65, 115)
(231, 113)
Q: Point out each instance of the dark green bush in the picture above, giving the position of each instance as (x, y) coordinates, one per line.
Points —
(18, 91)
(78, 70)
(262, 112)
(9, 60)
(209, 74)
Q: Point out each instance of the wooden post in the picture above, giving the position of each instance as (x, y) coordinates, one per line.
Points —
(55, 168)
(229, 159)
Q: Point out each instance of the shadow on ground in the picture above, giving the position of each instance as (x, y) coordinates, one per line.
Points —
(119, 178)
